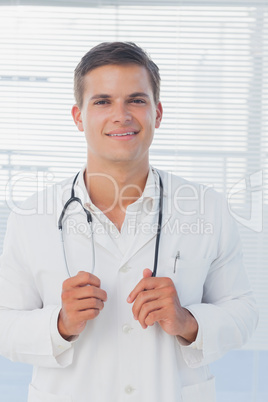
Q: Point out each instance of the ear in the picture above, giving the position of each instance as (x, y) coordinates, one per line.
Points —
(159, 114)
(77, 117)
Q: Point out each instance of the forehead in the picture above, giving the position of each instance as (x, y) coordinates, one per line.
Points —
(118, 78)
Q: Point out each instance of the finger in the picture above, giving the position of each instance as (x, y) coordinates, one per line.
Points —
(148, 284)
(147, 310)
(78, 319)
(146, 297)
(87, 304)
(144, 284)
(147, 273)
(166, 296)
(87, 315)
(81, 279)
(85, 292)
(156, 315)
(70, 296)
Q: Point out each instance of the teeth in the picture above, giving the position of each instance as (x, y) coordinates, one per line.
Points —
(122, 135)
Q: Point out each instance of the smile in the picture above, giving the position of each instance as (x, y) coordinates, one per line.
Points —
(123, 134)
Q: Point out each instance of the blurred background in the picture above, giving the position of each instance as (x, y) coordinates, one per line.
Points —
(213, 59)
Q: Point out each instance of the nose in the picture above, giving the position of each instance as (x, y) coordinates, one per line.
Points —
(121, 113)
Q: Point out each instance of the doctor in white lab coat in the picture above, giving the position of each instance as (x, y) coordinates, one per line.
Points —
(86, 311)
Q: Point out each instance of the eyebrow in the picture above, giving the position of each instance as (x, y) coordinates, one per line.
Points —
(100, 96)
(137, 94)
(106, 96)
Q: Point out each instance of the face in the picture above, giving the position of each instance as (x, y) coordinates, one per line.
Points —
(118, 115)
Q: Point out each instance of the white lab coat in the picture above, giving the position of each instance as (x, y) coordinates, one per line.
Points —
(114, 359)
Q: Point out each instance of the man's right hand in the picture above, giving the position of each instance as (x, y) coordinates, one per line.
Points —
(82, 299)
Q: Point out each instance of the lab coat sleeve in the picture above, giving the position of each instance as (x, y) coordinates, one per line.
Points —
(227, 316)
(28, 331)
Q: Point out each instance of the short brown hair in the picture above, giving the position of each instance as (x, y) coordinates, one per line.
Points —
(116, 53)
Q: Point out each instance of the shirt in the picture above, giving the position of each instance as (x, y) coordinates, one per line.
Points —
(136, 212)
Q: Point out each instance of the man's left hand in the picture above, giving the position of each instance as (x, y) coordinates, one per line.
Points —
(156, 300)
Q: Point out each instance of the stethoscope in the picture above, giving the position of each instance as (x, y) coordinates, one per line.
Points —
(73, 199)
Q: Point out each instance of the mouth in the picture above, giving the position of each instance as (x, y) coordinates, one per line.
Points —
(129, 133)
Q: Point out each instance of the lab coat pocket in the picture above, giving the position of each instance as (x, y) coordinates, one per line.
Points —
(35, 395)
(189, 276)
(202, 392)
(198, 264)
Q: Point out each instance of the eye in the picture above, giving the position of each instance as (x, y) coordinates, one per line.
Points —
(101, 102)
(137, 101)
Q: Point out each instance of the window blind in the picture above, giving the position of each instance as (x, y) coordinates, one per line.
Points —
(213, 59)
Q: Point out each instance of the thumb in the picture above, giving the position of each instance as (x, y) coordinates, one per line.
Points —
(147, 273)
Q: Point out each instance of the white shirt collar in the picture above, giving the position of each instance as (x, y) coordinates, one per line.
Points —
(150, 190)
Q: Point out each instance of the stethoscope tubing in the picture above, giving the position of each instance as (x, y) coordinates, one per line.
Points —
(159, 225)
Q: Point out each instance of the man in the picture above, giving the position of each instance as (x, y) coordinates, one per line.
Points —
(88, 311)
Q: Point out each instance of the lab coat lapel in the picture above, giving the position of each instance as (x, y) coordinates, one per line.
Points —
(102, 238)
(148, 228)
(146, 232)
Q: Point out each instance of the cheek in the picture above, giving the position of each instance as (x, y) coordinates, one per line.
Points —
(93, 124)
(150, 120)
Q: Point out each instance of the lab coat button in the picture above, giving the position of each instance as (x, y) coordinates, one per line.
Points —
(129, 389)
(124, 269)
(126, 329)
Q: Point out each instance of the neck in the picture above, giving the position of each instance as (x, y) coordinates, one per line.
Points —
(115, 187)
